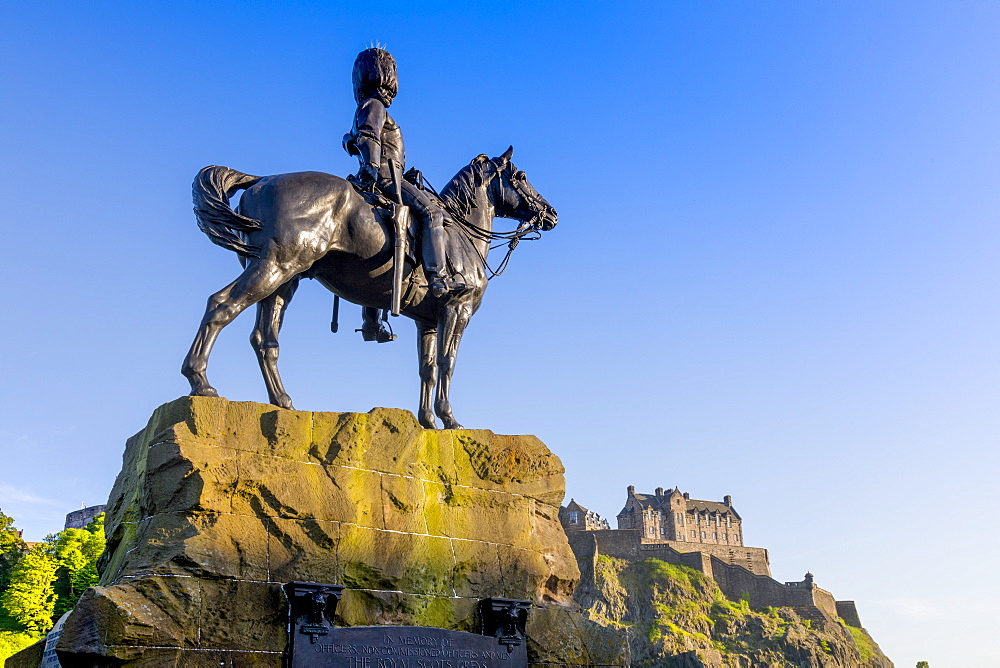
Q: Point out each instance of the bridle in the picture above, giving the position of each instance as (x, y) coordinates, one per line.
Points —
(516, 178)
(528, 230)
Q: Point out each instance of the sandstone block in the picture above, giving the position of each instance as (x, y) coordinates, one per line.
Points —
(410, 563)
(460, 511)
(304, 550)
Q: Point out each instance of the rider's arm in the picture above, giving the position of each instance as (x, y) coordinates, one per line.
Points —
(368, 122)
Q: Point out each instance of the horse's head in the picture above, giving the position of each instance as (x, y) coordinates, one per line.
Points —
(515, 197)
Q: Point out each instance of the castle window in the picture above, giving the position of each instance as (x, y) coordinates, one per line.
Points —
(663, 531)
(729, 521)
(651, 531)
(725, 536)
(715, 535)
(702, 534)
(572, 518)
(680, 535)
(694, 534)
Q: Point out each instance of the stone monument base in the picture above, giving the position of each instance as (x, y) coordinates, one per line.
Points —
(220, 503)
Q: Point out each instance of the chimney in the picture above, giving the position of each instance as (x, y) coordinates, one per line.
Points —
(728, 500)
(687, 495)
(631, 490)
(659, 491)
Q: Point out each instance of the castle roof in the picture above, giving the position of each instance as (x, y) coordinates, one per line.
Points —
(662, 503)
(573, 504)
(709, 507)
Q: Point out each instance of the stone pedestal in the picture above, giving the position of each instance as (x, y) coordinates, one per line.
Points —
(219, 503)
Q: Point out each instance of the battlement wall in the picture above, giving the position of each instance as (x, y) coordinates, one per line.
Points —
(847, 611)
(754, 559)
(764, 591)
(627, 544)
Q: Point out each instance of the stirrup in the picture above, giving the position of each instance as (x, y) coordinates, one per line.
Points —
(376, 332)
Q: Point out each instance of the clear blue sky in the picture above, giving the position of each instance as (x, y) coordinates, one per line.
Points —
(775, 274)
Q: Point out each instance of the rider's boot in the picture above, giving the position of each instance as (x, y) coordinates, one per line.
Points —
(372, 326)
(434, 260)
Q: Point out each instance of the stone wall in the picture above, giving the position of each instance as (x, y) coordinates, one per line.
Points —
(754, 559)
(625, 544)
(847, 611)
(78, 519)
(630, 544)
(763, 591)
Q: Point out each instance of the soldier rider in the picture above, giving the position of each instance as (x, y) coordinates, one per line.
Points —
(377, 139)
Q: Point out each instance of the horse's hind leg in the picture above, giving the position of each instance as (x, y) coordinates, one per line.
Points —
(258, 280)
(427, 352)
(264, 339)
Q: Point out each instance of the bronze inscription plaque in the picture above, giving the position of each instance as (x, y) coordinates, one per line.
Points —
(404, 647)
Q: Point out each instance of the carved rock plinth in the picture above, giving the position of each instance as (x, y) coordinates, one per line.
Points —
(219, 503)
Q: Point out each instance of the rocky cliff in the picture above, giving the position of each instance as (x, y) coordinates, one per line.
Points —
(675, 616)
(218, 503)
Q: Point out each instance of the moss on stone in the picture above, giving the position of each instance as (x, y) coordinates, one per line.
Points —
(864, 643)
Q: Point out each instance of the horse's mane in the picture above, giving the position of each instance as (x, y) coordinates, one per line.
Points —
(459, 195)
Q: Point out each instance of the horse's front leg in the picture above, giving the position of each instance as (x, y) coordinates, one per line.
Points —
(427, 352)
(264, 339)
(451, 326)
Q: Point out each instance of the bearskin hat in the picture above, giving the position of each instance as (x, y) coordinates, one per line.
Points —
(375, 76)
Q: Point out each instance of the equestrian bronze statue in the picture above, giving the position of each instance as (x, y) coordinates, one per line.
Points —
(342, 232)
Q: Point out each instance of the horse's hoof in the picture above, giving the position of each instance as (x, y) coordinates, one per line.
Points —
(284, 401)
(428, 423)
(452, 424)
(207, 391)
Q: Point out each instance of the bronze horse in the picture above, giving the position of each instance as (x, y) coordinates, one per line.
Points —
(316, 225)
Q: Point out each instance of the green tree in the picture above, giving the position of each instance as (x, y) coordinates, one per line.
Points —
(77, 551)
(923, 664)
(49, 579)
(11, 549)
(30, 598)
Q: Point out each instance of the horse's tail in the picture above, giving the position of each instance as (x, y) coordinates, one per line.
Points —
(211, 191)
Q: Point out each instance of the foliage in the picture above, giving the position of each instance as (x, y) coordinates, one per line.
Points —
(11, 548)
(46, 581)
(12, 642)
(30, 599)
(923, 664)
(77, 551)
(863, 641)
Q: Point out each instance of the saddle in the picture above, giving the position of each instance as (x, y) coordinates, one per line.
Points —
(382, 209)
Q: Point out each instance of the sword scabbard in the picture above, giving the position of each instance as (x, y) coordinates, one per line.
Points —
(400, 216)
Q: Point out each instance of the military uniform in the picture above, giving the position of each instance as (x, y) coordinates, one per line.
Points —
(377, 140)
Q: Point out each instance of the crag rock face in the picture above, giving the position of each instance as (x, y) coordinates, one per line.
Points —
(675, 616)
(218, 503)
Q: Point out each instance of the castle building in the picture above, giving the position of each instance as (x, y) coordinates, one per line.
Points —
(78, 519)
(575, 517)
(674, 516)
